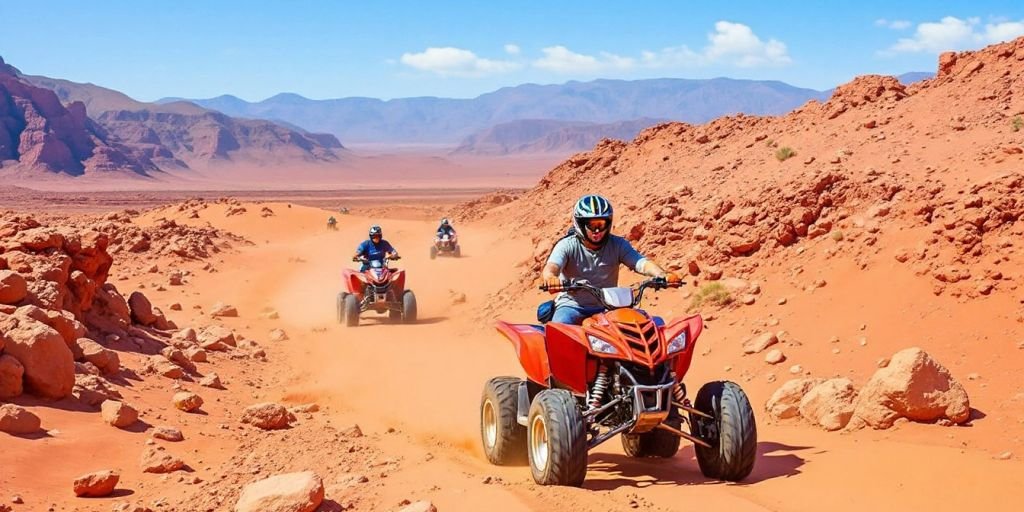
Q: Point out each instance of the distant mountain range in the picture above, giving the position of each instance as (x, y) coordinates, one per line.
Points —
(446, 120)
(532, 136)
(452, 121)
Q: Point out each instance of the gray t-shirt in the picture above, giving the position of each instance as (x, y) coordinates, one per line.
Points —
(600, 267)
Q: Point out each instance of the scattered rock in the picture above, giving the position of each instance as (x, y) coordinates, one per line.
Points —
(829, 404)
(278, 335)
(96, 485)
(760, 342)
(291, 492)
(168, 434)
(785, 402)
(187, 401)
(216, 338)
(419, 506)
(118, 414)
(211, 380)
(196, 354)
(17, 420)
(774, 356)
(267, 416)
(156, 460)
(223, 310)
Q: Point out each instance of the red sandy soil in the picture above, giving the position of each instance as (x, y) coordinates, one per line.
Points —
(414, 390)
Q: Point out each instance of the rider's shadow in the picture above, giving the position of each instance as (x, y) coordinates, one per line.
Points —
(773, 460)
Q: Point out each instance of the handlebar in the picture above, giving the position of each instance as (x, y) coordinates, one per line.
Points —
(364, 259)
(656, 283)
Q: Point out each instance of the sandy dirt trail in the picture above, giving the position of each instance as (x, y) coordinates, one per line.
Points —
(424, 382)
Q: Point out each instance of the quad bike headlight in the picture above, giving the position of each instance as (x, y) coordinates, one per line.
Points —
(602, 346)
(677, 344)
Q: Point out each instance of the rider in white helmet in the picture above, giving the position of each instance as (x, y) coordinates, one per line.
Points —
(593, 254)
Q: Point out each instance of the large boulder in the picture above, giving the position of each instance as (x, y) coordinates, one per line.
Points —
(292, 492)
(103, 358)
(829, 404)
(13, 287)
(15, 419)
(785, 402)
(141, 308)
(47, 360)
(11, 375)
(912, 386)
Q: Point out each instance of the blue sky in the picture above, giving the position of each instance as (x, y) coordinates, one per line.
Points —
(330, 49)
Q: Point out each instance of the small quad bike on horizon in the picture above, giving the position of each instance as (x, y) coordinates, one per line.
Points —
(446, 245)
(380, 289)
(619, 373)
(332, 224)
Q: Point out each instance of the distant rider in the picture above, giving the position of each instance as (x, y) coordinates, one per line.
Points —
(592, 253)
(445, 229)
(332, 222)
(374, 249)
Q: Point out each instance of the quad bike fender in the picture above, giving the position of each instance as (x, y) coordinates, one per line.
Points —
(353, 282)
(567, 355)
(693, 326)
(529, 344)
(398, 282)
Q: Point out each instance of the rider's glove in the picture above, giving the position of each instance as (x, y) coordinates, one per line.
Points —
(552, 284)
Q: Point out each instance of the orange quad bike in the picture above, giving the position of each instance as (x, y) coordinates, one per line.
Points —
(380, 288)
(620, 372)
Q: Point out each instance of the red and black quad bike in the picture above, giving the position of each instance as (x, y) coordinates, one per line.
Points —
(380, 288)
(620, 372)
(446, 245)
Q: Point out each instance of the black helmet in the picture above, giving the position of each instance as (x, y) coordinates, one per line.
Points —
(591, 207)
(376, 231)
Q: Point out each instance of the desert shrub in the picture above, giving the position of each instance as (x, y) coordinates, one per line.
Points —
(711, 294)
(784, 153)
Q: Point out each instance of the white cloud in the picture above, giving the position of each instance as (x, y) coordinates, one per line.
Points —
(730, 44)
(512, 49)
(449, 61)
(563, 60)
(737, 43)
(952, 33)
(896, 25)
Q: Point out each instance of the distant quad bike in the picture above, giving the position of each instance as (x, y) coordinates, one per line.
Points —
(332, 224)
(380, 289)
(343, 210)
(446, 245)
(621, 372)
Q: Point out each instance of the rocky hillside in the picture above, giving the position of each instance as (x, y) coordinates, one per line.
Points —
(50, 126)
(938, 162)
(531, 136)
(37, 132)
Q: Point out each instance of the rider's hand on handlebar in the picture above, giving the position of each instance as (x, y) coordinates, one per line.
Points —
(673, 279)
(552, 284)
